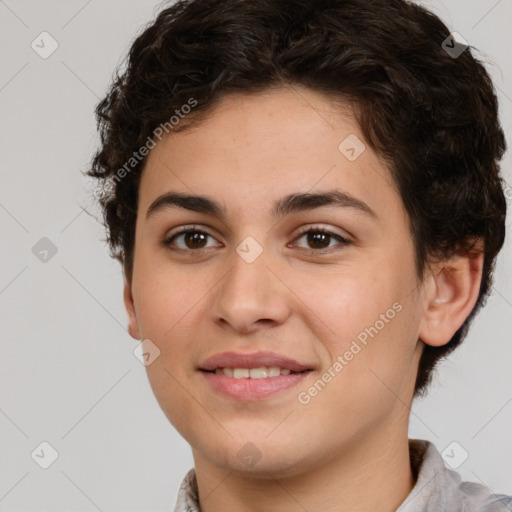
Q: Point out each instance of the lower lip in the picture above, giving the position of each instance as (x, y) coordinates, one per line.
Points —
(253, 389)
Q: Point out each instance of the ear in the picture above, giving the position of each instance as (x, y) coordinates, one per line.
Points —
(133, 327)
(451, 294)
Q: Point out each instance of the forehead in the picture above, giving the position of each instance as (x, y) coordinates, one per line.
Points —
(256, 148)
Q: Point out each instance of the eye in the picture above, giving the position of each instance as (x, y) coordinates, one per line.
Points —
(193, 238)
(319, 238)
(196, 239)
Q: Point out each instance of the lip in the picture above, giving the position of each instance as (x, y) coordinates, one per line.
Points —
(252, 389)
(247, 388)
(252, 360)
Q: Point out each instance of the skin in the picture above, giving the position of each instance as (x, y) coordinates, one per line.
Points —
(347, 449)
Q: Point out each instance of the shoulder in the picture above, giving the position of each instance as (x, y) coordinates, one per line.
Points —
(476, 497)
(440, 488)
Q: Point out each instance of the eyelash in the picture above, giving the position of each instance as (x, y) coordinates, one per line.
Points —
(315, 229)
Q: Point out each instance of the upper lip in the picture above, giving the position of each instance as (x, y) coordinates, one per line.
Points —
(251, 360)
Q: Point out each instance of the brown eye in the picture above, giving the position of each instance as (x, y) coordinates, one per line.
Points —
(319, 238)
(193, 239)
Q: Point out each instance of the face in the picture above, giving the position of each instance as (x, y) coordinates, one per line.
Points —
(330, 285)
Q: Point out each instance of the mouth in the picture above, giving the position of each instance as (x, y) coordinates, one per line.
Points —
(252, 376)
(251, 384)
(261, 372)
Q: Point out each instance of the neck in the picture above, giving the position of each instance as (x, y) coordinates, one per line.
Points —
(373, 474)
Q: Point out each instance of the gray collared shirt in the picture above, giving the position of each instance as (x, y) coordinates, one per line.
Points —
(437, 488)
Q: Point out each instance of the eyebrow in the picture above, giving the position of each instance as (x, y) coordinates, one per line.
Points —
(282, 207)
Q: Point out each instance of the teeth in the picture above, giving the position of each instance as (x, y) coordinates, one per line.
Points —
(253, 373)
(240, 373)
(258, 373)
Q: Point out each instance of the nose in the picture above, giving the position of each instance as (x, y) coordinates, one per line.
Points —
(251, 294)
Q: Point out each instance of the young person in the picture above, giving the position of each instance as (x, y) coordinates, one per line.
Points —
(306, 201)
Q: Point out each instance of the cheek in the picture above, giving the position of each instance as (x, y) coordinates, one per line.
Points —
(172, 390)
(164, 297)
(350, 299)
(367, 317)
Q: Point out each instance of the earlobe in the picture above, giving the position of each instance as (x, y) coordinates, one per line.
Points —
(133, 328)
(454, 292)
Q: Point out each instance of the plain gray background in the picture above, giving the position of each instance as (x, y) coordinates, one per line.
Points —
(67, 369)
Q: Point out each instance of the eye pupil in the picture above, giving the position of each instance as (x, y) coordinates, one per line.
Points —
(194, 237)
(315, 237)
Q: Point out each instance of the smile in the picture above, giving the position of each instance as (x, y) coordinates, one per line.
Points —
(252, 383)
(253, 373)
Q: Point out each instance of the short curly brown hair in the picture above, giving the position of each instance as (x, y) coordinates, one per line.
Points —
(430, 113)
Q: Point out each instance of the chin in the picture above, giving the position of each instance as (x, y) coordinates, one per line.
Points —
(270, 466)
(259, 456)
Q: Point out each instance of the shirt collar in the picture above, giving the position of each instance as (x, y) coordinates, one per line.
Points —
(188, 495)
